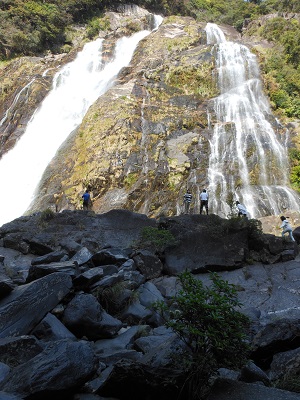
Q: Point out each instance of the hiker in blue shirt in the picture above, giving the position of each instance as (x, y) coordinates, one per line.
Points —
(86, 199)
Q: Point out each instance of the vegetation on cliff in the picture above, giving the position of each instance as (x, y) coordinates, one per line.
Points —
(33, 26)
(207, 320)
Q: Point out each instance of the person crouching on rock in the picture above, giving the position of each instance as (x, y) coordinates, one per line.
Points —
(242, 211)
(286, 228)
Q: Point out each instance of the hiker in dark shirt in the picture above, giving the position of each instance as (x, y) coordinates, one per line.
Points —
(187, 199)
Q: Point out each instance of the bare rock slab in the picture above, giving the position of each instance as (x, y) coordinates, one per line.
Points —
(27, 305)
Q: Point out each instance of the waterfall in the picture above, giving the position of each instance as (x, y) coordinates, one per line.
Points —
(247, 161)
(75, 88)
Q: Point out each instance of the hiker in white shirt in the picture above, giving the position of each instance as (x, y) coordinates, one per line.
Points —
(286, 228)
(203, 201)
(242, 211)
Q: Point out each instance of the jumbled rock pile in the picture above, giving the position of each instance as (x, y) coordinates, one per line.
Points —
(76, 291)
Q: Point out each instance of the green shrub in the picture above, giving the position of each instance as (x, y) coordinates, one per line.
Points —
(207, 321)
(156, 239)
(47, 215)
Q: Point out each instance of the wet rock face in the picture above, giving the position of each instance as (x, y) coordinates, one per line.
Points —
(147, 135)
(25, 83)
(141, 142)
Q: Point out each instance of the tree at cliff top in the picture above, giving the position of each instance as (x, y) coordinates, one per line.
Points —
(28, 27)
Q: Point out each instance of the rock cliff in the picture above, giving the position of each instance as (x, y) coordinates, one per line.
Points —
(143, 142)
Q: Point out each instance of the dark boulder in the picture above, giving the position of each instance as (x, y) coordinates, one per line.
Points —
(54, 256)
(205, 243)
(40, 270)
(17, 350)
(132, 379)
(62, 365)
(110, 256)
(6, 285)
(17, 314)
(226, 389)
(51, 329)
(84, 316)
(148, 264)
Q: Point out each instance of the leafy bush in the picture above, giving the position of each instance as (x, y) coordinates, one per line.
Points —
(295, 168)
(156, 239)
(47, 215)
(207, 321)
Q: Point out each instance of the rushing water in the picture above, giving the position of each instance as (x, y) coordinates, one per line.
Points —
(247, 161)
(75, 88)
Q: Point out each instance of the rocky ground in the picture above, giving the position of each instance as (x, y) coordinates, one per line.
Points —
(75, 296)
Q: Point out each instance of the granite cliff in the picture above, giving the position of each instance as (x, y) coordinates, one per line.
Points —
(147, 138)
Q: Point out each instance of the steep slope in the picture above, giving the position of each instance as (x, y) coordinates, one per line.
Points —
(140, 142)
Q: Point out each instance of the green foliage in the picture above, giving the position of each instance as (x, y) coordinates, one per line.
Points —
(280, 65)
(231, 12)
(47, 215)
(156, 239)
(31, 26)
(95, 25)
(207, 321)
(193, 80)
(295, 168)
(290, 381)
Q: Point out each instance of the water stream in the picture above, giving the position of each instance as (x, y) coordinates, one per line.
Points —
(75, 88)
(247, 162)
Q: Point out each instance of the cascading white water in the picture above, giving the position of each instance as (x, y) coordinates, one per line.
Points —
(75, 88)
(247, 161)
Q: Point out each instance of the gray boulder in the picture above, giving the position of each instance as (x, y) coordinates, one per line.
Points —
(125, 340)
(54, 256)
(40, 270)
(148, 264)
(4, 371)
(110, 256)
(51, 329)
(203, 246)
(62, 365)
(226, 389)
(15, 241)
(84, 316)
(6, 285)
(18, 316)
(9, 396)
(82, 256)
(252, 373)
(284, 364)
(136, 313)
(87, 278)
(17, 350)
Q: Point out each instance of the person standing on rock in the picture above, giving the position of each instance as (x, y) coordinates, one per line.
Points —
(286, 228)
(204, 201)
(86, 200)
(187, 199)
(242, 211)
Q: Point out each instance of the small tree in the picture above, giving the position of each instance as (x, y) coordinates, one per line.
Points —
(214, 332)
